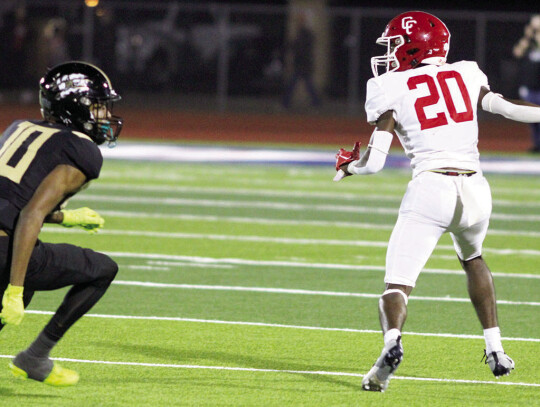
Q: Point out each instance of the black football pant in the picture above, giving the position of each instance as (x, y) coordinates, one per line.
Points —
(54, 266)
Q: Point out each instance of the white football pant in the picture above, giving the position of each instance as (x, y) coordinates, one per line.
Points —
(434, 204)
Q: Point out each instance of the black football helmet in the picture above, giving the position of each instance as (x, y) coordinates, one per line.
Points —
(72, 93)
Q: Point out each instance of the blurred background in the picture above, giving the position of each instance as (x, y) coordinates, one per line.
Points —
(293, 58)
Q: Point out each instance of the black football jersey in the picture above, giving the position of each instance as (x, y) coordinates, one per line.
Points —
(29, 151)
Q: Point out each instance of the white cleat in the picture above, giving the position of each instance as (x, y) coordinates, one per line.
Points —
(500, 363)
(379, 376)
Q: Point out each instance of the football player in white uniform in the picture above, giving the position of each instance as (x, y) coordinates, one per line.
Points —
(432, 107)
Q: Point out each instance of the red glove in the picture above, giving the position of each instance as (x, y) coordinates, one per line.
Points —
(346, 157)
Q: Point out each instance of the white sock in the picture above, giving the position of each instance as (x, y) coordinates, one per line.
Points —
(493, 340)
(391, 334)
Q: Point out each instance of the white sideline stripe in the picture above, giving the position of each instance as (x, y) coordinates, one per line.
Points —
(269, 325)
(269, 205)
(292, 222)
(278, 193)
(304, 372)
(263, 263)
(301, 292)
(269, 239)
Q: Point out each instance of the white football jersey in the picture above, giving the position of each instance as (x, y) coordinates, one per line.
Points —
(435, 109)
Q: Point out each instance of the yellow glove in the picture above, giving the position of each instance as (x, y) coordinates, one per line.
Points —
(12, 305)
(83, 217)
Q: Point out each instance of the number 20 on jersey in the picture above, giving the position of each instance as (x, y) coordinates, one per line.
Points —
(434, 96)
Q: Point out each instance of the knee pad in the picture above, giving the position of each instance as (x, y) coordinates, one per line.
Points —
(396, 290)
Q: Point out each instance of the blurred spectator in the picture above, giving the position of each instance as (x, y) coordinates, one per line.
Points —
(15, 41)
(527, 50)
(300, 54)
(56, 47)
(51, 46)
(105, 40)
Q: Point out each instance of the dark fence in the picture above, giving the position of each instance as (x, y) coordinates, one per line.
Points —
(227, 52)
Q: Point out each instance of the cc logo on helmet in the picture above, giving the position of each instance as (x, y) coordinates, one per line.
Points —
(407, 23)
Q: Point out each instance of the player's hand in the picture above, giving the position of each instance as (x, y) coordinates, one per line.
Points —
(344, 158)
(12, 305)
(83, 217)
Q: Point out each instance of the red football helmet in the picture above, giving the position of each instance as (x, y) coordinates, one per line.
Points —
(412, 38)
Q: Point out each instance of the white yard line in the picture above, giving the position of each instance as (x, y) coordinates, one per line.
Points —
(289, 222)
(298, 178)
(277, 240)
(279, 193)
(276, 193)
(302, 292)
(146, 268)
(301, 372)
(219, 203)
(270, 325)
(167, 259)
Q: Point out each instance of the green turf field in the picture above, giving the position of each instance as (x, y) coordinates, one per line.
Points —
(256, 285)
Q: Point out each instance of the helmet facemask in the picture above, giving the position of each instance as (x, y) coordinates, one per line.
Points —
(104, 126)
(388, 60)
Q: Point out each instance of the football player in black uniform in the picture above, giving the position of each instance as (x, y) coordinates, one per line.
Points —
(42, 164)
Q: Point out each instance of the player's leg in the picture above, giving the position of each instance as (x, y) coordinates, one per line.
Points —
(426, 209)
(481, 290)
(55, 266)
(393, 307)
(411, 244)
(468, 242)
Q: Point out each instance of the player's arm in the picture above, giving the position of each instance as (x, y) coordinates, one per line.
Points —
(54, 217)
(62, 181)
(374, 157)
(518, 110)
(86, 218)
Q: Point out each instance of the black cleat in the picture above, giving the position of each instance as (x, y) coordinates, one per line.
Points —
(500, 363)
(378, 377)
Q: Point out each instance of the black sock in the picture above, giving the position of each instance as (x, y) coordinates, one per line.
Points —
(41, 347)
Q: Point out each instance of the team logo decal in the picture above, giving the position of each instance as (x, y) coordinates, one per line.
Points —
(407, 23)
(73, 83)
